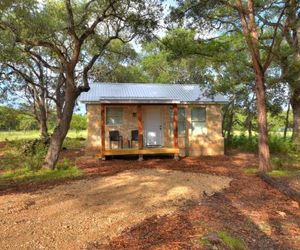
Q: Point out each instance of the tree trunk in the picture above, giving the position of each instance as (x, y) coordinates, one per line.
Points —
(43, 124)
(61, 129)
(250, 129)
(230, 124)
(295, 103)
(286, 121)
(263, 146)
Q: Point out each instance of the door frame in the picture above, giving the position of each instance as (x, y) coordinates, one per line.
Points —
(159, 108)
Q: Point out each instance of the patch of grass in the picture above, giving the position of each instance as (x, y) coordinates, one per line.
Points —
(284, 173)
(222, 240)
(74, 142)
(232, 242)
(25, 175)
(250, 170)
(34, 134)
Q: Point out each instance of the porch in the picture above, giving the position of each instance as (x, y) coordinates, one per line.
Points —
(149, 132)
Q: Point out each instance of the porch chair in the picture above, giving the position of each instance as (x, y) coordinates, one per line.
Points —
(115, 136)
(134, 137)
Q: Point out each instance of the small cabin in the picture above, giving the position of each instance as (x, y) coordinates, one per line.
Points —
(142, 118)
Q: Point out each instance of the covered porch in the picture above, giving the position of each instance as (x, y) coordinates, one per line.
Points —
(149, 125)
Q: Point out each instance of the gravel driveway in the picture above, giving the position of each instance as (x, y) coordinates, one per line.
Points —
(70, 216)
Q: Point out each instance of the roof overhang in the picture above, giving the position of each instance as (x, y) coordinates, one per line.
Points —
(152, 102)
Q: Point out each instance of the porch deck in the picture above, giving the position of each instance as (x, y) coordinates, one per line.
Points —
(143, 151)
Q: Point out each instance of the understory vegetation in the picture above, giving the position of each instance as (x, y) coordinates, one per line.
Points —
(22, 162)
(284, 155)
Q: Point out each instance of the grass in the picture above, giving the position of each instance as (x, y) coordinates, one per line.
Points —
(34, 134)
(231, 242)
(275, 172)
(25, 175)
(228, 241)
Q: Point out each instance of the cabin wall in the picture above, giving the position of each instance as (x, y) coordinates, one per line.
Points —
(209, 143)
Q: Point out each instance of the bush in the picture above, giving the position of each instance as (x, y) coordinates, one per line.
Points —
(29, 147)
(27, 154)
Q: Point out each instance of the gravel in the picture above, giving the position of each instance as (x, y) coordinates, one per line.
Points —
(96, 210)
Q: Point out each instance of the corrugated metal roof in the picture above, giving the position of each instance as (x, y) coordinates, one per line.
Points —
(149, 93)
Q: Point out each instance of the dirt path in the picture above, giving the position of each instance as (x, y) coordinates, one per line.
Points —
(71, 216)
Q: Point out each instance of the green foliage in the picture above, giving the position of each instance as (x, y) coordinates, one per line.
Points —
(277, 144)
(285, 157)
(283, 173)
(22, 167)
(232, 242)
(27, 154)
(79, 122)
(8, 118)
(227, 241)
(25, 175)
(77, 142)
(26, 122)
(34, 134)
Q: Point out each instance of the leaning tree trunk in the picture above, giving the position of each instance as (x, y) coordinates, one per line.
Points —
(263, 146)
(295, 103)
(61, 129)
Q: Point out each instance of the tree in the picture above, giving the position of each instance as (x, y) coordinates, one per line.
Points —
(69, 32)
(291, 61)
(241, 17)
(31, 81)
(119, 63)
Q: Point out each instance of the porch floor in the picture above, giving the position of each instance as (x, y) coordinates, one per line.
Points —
(143, 151)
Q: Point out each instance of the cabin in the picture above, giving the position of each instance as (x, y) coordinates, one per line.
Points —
(150, 118)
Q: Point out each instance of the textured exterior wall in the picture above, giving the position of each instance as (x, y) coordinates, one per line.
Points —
(210, 142)
(93, 142)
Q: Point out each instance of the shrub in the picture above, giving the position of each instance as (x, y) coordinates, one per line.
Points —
(28, 154)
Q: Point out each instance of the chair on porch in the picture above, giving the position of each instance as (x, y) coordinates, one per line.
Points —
(115, 136)
(134, 137)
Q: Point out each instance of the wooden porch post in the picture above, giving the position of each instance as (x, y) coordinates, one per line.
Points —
(103, 131)
(140, 129)
(175, 127)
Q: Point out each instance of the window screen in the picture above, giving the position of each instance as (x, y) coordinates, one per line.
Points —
(198, 119)
(114, 116)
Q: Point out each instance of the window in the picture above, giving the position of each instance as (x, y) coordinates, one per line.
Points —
(198, 119)
(114, 116)
(181, 121)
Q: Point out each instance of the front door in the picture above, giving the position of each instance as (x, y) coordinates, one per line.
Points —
(153, 126)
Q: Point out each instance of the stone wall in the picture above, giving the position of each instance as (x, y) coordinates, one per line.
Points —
(210, 142)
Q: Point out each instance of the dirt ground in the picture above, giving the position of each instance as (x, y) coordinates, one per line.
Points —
(69, 216)
(136, 215)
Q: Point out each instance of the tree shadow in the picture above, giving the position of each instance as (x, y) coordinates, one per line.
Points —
(185, 228)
